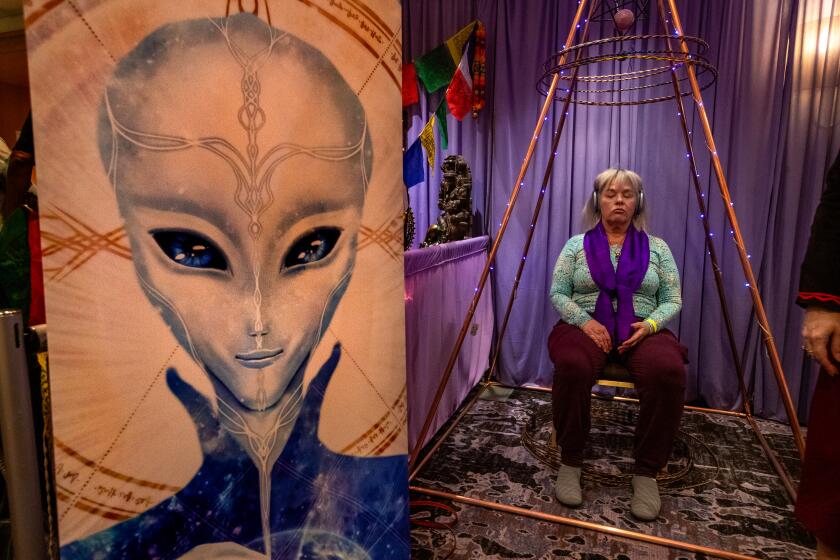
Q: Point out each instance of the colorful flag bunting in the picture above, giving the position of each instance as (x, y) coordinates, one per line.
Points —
(445, 65)
(440, 115)
(427, 138)
(413, 164)
(410, 95)
(435, 68)
(459, 94)
(457, 42)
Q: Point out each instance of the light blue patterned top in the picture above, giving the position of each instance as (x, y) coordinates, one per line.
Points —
(574, 292)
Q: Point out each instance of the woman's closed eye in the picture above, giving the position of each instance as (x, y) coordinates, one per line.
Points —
(312, 247)
(190, 249)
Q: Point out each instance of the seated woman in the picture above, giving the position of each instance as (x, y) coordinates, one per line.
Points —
(615, 288)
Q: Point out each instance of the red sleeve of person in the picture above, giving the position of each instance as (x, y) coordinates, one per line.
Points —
(21, 271)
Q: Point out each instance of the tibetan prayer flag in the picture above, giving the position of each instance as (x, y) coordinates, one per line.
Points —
(435, 68)
(410, 95)
(413, 164)
(457, 42)
(427, 138)
(459, 94)
(440, 114)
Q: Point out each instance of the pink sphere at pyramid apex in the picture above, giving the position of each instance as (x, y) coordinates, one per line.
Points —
(624, 19)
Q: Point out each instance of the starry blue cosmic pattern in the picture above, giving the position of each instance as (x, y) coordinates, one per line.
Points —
(323, 504)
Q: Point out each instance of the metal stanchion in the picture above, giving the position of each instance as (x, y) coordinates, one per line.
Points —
(19, 442)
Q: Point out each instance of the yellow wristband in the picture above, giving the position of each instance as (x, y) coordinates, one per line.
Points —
(653, 324)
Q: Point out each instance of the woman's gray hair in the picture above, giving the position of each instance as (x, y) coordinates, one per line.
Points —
(592, 214)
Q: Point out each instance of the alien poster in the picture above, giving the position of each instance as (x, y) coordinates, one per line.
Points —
(221, 199)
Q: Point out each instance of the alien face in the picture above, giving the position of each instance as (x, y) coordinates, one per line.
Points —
(250, 310)
(242, 191)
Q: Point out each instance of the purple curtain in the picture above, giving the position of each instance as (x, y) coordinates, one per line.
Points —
(772, 111)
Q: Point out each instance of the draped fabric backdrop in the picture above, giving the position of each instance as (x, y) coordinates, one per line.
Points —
(773, 112)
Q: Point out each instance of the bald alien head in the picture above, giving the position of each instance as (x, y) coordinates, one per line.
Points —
(240, 159)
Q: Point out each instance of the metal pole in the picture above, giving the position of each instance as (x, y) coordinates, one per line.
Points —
(416, 470)
(539, 389)
(453, 357)
(761, 316)
(17, 429)
(549, 167)
(704, 217)
(606, 529)
(774, 461)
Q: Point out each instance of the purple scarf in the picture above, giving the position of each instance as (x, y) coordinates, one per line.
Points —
(619, 283)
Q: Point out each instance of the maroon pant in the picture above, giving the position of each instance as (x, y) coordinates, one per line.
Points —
(818, 502)
(658, 367)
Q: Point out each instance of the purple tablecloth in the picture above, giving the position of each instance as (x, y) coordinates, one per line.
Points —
(439, 286)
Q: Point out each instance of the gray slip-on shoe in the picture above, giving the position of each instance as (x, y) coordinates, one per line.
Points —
(645, 504)
(567, 486)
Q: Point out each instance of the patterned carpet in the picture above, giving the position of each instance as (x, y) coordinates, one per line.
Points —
(719, 489)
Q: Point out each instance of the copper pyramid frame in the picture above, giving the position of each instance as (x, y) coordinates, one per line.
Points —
(551, 90)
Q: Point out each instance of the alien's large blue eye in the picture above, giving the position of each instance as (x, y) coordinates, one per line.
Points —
(189, 249)
(312, 247)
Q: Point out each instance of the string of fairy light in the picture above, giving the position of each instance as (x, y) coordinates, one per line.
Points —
(522, 183)
(688, 155)
(725, 195)
(713, 152)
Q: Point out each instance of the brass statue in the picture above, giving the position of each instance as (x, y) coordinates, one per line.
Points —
(455, 199)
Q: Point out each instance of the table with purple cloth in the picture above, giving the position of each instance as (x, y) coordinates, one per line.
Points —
(439, 286)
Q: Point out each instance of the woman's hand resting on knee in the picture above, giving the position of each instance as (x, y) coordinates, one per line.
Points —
(598, 333)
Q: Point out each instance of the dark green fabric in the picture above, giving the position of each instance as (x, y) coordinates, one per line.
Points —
(14, 263)
(440, 114)
(435, 68)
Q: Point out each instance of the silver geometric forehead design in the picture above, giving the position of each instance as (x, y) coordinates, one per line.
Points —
(253, 170)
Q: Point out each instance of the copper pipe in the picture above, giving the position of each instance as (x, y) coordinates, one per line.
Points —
(445, 434)
(453, 357)
(761, 316)
(498, 345)
(689, 407)
(624, 399)
(549, 167)
(704, 217)
(774, 460)
(614, 531)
